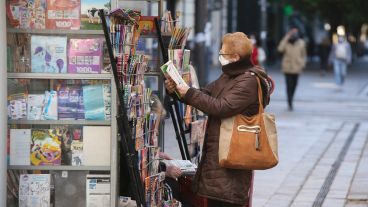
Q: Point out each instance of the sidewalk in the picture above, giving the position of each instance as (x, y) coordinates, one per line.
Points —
(322, 144)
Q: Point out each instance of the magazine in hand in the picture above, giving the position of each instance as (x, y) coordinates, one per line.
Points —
(186, 166)
(170, 70)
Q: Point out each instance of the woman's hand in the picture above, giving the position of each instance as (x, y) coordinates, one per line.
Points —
(173, 172)
(164, 156)
(182, 90)
(170, 85)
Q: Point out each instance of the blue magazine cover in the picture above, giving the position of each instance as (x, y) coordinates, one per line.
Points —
(94, 108)
(48, 54)
(68, 101)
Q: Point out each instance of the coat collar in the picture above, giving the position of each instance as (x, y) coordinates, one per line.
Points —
(237, 68)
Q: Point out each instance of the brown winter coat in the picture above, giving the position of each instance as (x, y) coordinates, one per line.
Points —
(234, 92)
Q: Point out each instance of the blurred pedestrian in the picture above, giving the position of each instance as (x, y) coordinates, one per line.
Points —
(340, 57)
(258, 53)
(324, 50)
(293, 61)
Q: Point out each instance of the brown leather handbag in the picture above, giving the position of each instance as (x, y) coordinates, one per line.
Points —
(249, 142)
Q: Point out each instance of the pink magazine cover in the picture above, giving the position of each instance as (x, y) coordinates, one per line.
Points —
(85, 55)
(63, 14)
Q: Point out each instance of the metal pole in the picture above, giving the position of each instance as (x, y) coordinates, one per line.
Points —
(3, 109)
(263, 33)
(200, 57)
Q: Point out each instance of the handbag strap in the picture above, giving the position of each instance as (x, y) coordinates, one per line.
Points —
(260, 102)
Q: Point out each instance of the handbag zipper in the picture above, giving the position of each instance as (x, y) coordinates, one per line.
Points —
(253, 129)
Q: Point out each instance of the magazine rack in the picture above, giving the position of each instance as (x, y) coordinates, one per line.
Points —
(173, 105)
(126, 144)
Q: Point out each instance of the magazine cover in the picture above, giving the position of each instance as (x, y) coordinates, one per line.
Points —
(89, 13)
(80, 109)
(35, 106)
(85, 55)
(48, 54)
(26, 14)
(98, 190)
(68, 101)
(63, 14)
(34, 190)
(77, 153)
(51, 106)
(46, 146)
(17, 106)
(69, 135)
(94, 106)
(147, 25)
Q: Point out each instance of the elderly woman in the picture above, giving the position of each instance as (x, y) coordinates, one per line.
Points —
(234, 92)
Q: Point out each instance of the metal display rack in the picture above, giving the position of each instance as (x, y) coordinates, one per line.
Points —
(173, 103)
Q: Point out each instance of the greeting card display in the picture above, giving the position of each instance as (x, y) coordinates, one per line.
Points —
(48, 54)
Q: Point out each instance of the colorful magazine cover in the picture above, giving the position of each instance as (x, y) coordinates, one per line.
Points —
(26, 14)
(48, 54)
(147, 25)
(90, 20)
(94, 106)
(85, 55)
(46, 146)
(68, 101)
(63, 14)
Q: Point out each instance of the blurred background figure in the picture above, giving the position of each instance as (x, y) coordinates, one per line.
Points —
(293, 61)
(258, 53)
(340, 56)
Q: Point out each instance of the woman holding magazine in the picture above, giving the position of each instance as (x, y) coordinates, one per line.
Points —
(234, 92)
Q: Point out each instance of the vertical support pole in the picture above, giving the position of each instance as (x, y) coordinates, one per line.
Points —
(114, 178)
(263, 33)
(3, 107)
(201, 17)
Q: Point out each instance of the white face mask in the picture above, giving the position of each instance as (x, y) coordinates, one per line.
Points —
(254, 41)
(223, 61)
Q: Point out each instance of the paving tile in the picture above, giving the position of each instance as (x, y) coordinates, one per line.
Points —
(333, 202)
